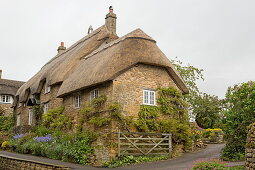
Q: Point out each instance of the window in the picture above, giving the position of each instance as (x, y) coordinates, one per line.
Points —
(149, 97)
(77, 101)
(94, 94)
(6, 99)
(30, 116)
(46, 89)
(18, 120)
(46, 107)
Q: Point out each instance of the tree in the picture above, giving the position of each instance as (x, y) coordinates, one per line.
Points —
(190, 75)
(240, 112)
(207, 109)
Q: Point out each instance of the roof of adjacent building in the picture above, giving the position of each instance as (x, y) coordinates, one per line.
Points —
(94, 60)
(9, 87)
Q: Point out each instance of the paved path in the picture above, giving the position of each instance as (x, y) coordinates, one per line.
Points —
(183, 163)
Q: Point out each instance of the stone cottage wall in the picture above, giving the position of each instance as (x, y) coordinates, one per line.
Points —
(128, 87)
(68, 101)
(250, 148)
(7, 109)
(51, 97)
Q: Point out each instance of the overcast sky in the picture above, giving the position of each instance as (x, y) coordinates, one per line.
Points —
(215, 35)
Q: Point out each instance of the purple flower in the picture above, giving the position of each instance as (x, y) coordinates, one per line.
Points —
(46, 138)
(18, 136)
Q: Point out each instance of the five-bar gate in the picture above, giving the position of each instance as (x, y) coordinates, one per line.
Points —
(138, 143)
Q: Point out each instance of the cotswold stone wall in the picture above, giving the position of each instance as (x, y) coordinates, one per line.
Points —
(10, 163)
(7, 109)
(128, 87)
(250, 148)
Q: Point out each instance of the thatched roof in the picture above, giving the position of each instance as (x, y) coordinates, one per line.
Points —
(92, 60)
(9, 87)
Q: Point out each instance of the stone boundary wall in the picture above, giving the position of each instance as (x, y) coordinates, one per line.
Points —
(11, 163)
(250, 148)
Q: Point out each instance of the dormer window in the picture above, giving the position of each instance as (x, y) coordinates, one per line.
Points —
(46, 89)
(94, 94)
(6, 99)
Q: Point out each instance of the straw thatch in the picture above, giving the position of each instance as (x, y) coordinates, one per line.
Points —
(93, 60)
(9, 87)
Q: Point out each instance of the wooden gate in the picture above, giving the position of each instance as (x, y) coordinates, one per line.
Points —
(138, 143)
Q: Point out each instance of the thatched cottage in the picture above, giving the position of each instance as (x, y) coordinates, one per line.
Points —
(126, 69)
(8, 89)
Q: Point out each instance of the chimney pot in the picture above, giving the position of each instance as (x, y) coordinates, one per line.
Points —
(110, 21)
(1, 74)
(61, 48)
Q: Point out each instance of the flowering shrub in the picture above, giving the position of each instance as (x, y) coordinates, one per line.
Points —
(18, 136)
(46, 138)
(71, 147)
(210, 165)
(5, 144)
(212, 134)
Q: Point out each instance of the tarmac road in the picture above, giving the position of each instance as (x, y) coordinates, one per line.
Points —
(184, 162)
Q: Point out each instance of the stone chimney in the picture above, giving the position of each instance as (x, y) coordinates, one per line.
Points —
(61, 48)
(1, 74)
(110, 21)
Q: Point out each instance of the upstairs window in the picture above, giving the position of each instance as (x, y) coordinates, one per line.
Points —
(46, 89)
(6, 99)
(46, 107)
(149, 97)
(77, 101)
(30, 116)
(94, 94)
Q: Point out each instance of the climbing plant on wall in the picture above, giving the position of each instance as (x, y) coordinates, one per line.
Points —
(170, 116)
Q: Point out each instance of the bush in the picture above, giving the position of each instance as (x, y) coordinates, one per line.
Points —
(210, 165)
(5, 144)
(212, 134)
(128, 160)
(240, 100)
(6, 123)
(59, 145)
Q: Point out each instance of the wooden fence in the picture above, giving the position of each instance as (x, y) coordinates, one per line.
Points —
(137, 143)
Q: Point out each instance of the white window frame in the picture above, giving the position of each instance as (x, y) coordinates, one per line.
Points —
(149, 97)
(6, 99)
(30, 116)
(46, 89)
(18, 120)
(94, 94)
(77, 101)
(46, 107)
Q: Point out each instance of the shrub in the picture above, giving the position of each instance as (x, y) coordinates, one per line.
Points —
(128, 160)
(58, 145)
(55, 119)
(5, 144)
(6, 123)
(210, 165)
(240, 100)
(212, 134)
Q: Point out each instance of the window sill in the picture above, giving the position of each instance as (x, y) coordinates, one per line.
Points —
(149, 104)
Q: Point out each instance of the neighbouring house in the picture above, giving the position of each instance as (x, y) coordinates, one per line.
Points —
(126, 69)
(8, 89)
